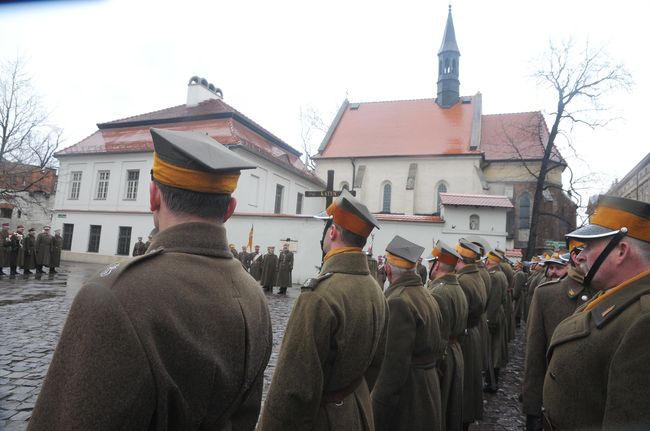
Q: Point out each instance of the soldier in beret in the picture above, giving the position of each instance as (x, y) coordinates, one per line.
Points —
(176, 339)
(444, 287)
(334, 341)
(607, 338)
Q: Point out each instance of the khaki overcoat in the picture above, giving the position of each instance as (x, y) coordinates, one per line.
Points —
(331, 352)
(16, 250)
(607, 386)
(407, 393)
(29, 259)
(44, 245)
(497, 317)
(177, 339)
(57, 246)
(483, 325)
(256, 266)
(453, 307)
(471, 344)
(534, 280)
(269, 270)
(5, 244)
(519, 295)
(553, 302)
(285, 266)
(507, 308)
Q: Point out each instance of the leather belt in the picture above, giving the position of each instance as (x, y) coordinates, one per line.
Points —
(339, 395)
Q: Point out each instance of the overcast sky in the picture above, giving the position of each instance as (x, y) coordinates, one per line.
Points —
(98, 61)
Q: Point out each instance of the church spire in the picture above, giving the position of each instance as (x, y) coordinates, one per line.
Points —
(448, 65)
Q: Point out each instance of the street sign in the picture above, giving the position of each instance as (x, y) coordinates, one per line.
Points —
(326, 193)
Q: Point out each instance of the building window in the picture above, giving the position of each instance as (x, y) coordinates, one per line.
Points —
(68, 229)
(474, 221)
(524, 211)
(6, 212)
(75, 185)
(102, 184)
(93, 238)
(442, 188)
(124, 241)
(385, 201)
(132, 178)
(279, 191)
(255, 186)
(299, 203)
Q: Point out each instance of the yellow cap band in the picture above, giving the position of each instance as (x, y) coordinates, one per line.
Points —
(614, 218)
(399, 262)
(465, 252)
(493, 257)
(349, 220)
(197, 181)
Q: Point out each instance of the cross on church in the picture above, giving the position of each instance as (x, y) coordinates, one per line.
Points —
(329, 193)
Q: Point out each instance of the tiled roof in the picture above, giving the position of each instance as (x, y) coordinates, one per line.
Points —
(400, 128)
(514, 252)
(515, 136)
(475, 200)
(409, 218)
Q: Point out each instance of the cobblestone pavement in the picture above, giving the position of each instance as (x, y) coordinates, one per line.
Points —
(32, 313)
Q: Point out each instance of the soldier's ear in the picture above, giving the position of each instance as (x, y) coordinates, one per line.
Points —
(154, 197)
(232, 204)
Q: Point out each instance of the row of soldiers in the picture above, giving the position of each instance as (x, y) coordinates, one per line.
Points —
(29, 251)
(268, 269)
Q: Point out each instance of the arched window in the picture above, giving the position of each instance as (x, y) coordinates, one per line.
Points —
(524, 211)
(442, 188)
(474, 222)
(385, 201)
(345, 185)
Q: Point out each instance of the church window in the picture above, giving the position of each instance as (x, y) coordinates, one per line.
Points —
(474, 221)
(386, 196)
(524, 211)
(442, 188)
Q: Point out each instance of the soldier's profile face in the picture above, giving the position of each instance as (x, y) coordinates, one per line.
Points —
(586, 258)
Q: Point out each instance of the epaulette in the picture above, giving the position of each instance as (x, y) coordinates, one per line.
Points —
(114, 269)
(602, 314)
(312, 283)
(546, 283)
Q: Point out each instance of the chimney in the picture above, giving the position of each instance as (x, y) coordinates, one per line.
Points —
(199, 90)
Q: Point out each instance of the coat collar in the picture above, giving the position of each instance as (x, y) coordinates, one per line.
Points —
(445, 279)
(410, 279)
(354, 263)
(204, 239)
(468, 269)
(611, 307)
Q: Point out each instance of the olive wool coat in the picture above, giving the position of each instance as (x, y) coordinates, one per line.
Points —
(269, 270)
(472, 285)
(496, 316)
(44, 245)
(57, 246)
(407, 393)
(534, 280)
(285, 266)
(519, 295)
(333, 345)
(608, 387)
(453, 307)
(553, 302)
(177, 339)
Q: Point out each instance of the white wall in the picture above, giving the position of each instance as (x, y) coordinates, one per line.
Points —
(35, 210)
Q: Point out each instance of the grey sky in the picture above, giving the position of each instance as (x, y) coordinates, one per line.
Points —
(103, 60)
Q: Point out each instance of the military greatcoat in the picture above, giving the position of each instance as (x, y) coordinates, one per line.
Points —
(333, 344)
(518, 295)
(43, 246)
(472, 284)
(407, 393)
(497, 317)
(269, 270)
(177, 339)
(453, 307)
(57, 246)
(256, 266)
(533, 281)
(5, 244)
(16, 250)
(553, 302)
(484, 290)
(285, 266)
(607, 386)
(29, 260)
(372, 266)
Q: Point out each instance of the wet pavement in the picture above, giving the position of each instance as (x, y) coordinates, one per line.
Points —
(33, 311)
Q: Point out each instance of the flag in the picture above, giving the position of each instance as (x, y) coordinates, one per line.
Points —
(250, 239)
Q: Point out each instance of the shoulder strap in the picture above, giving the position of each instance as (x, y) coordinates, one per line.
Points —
(312, 283)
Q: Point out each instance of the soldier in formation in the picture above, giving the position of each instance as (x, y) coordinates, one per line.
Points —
(27, 251)
(5, 244)
(269, 265)
(285, 266)
(256, 264)
(176, 339)
(139, 248)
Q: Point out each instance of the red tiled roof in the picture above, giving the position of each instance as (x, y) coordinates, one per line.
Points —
(404, 127)
(493, 201)
(514, 252)
(411, 218)
(515, 136)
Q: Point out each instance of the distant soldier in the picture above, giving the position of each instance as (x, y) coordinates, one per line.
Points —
(556, 266)
(372, 264)
(57, 246)
(269, 269)
(496, 316)
(519, 293)
(5, 244)
(256, 264)
(243, 257)
(29, 249)
(444, 287)
(233, 250)
(406, 395)
(381, 272)
(44, 245)
(537, 276)
(285, 266)
(16, 251)
(139, 248)
(148, 243)
(333, 345)
(422, 271)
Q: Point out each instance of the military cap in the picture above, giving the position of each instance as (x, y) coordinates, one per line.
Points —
(560, 259)
(194, 161)
(494, 256)
(139, 238)
(31, 229)
(46, 228)
(5, 224)
(444, 253)
(468, 250)
(614, 215)
(481, 242)
(574, 244)
(346, 211)
(403, 253)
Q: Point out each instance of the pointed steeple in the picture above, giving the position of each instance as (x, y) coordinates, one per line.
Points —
(448, 67)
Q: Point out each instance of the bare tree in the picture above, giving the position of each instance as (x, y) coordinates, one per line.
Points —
(312, 127)
(579, 79)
